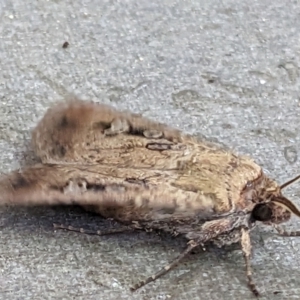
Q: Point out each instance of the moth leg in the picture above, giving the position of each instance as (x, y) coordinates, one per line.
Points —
(209, 231)
(283, 232)
(246, 248)
(94, 232)
(191, 245)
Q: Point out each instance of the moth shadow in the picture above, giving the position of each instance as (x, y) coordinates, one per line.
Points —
(40, 219)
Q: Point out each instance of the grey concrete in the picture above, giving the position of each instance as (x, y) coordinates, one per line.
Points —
(225, 69)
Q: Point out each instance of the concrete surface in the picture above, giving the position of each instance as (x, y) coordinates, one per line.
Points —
(225, 69)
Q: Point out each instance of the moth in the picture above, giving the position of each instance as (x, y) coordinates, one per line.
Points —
(147, 176)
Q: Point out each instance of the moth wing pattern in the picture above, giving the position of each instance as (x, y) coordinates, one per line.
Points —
(87, 132)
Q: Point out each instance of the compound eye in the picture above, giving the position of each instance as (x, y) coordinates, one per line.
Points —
(262, 212)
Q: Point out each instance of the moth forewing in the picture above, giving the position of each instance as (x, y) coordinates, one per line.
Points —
(78, 131)
(146, 175)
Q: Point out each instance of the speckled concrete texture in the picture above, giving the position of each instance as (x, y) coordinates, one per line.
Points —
(228, 70)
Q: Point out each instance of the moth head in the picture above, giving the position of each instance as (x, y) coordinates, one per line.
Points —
(273, 207)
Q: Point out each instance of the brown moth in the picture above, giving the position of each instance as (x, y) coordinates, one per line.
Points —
(147, 176)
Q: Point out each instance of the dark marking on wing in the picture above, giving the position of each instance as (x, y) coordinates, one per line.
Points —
(158, 146)
(20, 182)
(63, 122)
(58, 150)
